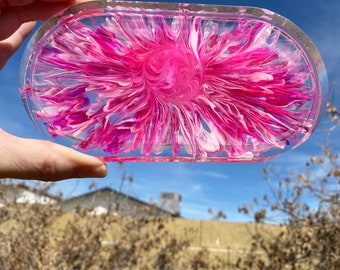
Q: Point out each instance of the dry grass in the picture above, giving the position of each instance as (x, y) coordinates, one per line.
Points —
(194, 244)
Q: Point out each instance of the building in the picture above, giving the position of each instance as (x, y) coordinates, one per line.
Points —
(100, 201)
(21, 193)
(105, 199)
(171, 202)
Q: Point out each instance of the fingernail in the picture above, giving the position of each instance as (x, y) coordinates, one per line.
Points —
(100, 171)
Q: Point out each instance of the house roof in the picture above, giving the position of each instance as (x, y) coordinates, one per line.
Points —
(122, 195)
(58, 199)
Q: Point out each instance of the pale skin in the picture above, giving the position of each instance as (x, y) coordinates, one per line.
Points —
(23, 158)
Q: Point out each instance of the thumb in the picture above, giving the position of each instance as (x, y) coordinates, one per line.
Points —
(22, 158)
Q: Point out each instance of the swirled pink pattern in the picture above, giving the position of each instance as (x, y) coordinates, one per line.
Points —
(145, 82)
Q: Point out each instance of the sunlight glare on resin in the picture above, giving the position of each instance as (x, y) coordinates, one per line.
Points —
(141, 81)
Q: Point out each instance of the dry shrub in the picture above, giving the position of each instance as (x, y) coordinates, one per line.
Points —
(308, 204)
(309, 208)
(36, 236)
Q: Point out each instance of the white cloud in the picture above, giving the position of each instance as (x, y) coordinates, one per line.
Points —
(196, 188)
(212, 174)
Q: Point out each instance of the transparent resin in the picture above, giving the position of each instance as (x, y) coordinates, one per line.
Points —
(141, 81)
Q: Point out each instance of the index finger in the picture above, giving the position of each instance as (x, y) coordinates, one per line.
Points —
(15, 3)
(12, 43)
(12, 17)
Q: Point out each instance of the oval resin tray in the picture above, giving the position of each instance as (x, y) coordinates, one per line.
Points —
(141, 81)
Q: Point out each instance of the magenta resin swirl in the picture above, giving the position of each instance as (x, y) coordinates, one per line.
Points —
(173, 82)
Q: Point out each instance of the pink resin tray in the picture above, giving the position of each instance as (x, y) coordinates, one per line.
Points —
(141, 81)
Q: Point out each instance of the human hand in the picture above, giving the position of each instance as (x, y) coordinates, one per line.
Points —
(27, 158)
(17, 20)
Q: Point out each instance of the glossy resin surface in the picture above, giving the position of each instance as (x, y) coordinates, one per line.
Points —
(133, 81)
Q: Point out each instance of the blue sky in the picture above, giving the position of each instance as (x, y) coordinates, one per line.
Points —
(220, 186)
